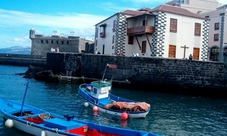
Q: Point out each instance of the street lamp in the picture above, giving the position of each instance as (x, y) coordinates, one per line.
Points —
(221, 36)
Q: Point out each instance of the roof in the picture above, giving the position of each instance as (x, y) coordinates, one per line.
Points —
(164, 7)
(129, 12)
(133, 12)
(175, 10)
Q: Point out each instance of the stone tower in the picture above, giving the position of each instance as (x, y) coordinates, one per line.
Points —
(32, 33)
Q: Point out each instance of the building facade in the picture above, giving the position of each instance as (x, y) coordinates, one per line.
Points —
(218, 34)
(166, 31)
(197, 6)
(41, 45)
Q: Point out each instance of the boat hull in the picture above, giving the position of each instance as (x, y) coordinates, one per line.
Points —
(29, 128)
(82, 91)
(55, 125)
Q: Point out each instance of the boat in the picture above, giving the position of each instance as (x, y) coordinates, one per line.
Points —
(39, 122)
(97, 94)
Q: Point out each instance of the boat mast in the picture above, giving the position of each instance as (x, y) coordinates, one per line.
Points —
(21, 111)
(104, 72)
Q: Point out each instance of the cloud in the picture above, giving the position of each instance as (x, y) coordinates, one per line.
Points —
(73, 20)
(17, 24)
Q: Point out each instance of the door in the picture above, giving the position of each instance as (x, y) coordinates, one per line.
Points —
(103, 49)
(195, 54)
(143, 47)
(172, 51)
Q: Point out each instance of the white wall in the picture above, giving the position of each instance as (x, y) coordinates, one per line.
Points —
(184, 35)
(201, 5)
(107, 41)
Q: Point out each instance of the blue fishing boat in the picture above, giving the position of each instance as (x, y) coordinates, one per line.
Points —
(97, 94)
(39, 122)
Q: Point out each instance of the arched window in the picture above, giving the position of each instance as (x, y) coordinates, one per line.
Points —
(214, 53)
(225, 54)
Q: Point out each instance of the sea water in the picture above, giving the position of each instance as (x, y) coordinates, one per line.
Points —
(171, 114)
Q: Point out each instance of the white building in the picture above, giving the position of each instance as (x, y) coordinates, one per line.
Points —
(165, 31)
(218, 33)
(197, 6)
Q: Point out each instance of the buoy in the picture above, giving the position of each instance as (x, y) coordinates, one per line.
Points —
(86, 104)
(9, 123)
(124, 116)
(43, 133)
(95, 108)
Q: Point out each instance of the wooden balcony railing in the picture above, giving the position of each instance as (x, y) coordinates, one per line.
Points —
(140, 30)
(102, 35)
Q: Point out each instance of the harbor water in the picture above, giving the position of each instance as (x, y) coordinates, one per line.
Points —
(170, 115)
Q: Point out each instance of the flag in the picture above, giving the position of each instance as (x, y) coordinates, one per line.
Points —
(111, 65)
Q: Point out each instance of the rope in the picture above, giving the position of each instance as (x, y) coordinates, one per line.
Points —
(55, 129)
(29, 124)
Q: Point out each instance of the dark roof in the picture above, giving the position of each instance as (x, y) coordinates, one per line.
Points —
(175, 10)
(132, 12)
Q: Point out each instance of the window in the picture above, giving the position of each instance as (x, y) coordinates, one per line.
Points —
(216, 26)
(47, 41)
(143, 47)
(114, 23)
(144, 22)
(130, 40)
(197, 29)
(216, 37)
(113, 39)
(173, 25)
(95, 90)
(41, 41)
(96, 32)
(103, 30)
(52, 42)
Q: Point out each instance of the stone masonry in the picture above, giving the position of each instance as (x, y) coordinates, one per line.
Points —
(143, 70)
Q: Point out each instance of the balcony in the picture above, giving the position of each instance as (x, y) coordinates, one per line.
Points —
(102, 35)
(140, 30)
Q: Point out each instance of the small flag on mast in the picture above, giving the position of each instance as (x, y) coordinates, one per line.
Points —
(111, 65)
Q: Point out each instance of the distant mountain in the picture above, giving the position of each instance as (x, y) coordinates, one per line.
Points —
(16, 50)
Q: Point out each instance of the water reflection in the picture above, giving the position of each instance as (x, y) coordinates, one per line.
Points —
(170, 114)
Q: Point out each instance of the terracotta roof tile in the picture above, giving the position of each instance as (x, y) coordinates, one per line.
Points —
(132, 12)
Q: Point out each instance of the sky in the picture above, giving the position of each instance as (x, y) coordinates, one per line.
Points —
(62, 17)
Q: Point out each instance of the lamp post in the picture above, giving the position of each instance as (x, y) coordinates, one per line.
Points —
(221, 36)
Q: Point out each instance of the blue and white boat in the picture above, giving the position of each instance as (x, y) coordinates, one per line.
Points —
(97, 93)
(38, 122)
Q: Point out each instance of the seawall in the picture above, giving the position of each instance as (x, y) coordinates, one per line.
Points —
(160, 74)
(146, 72)
(22, 60)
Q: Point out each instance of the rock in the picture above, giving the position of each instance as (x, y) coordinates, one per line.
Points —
(32, 71)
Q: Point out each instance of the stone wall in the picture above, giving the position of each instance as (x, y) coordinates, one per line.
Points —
(22, 60)
(67, 64)
(152, 74)
(42, 45)
(157, 71)
(144, 71)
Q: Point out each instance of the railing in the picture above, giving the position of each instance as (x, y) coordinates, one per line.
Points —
(102, 35)
(140, 30)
